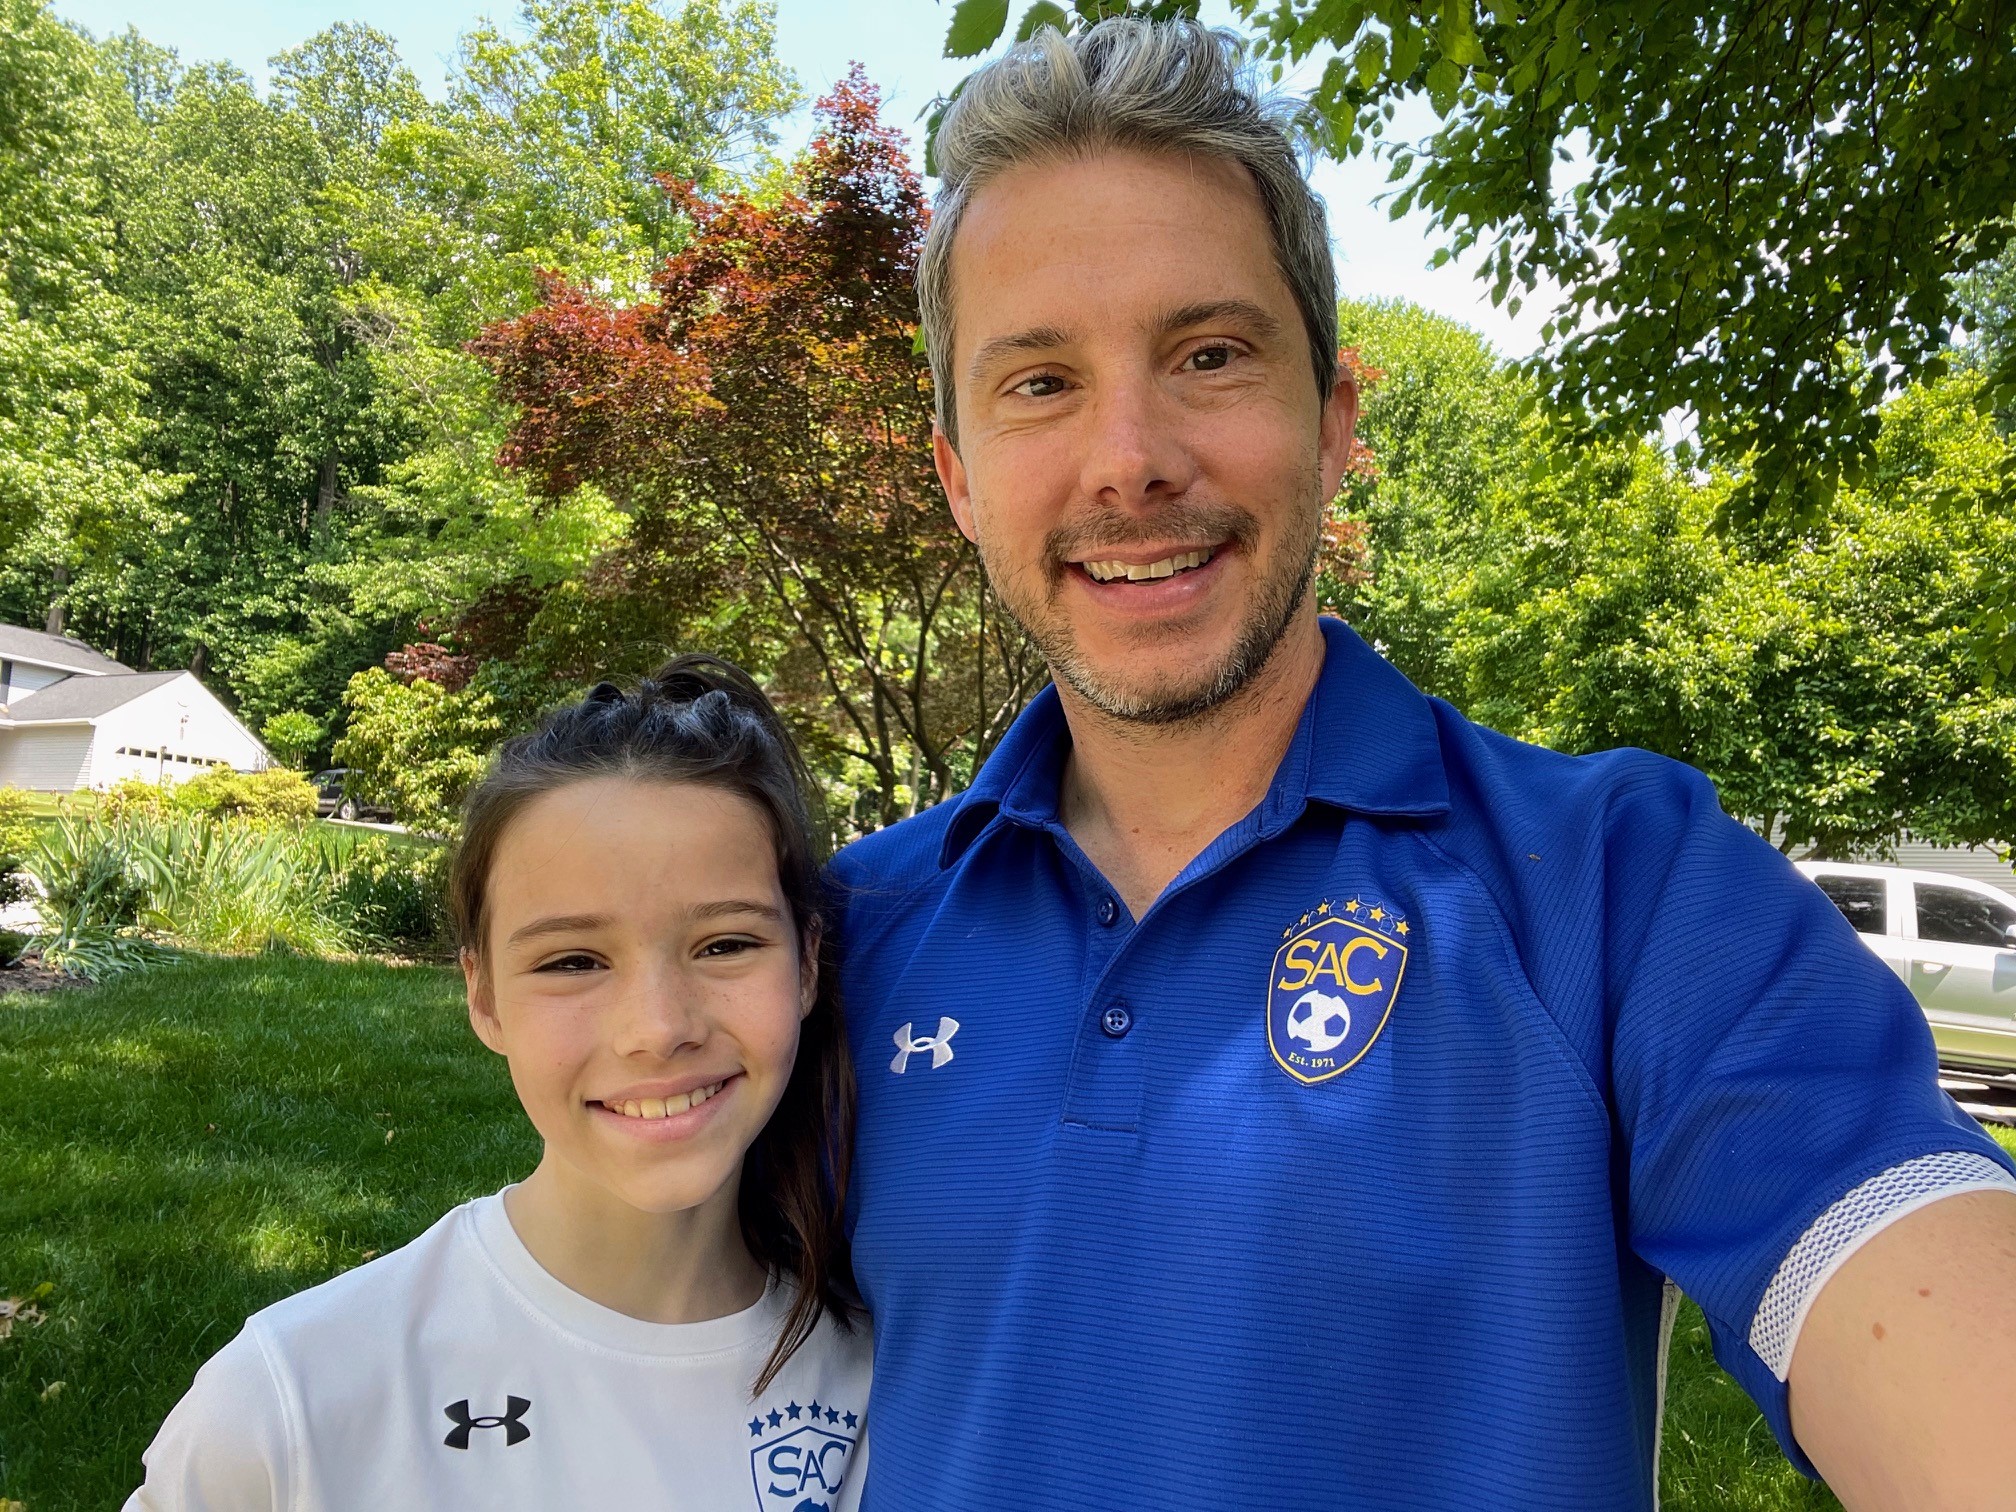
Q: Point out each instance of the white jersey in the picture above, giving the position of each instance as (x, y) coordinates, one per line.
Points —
(455, 1372)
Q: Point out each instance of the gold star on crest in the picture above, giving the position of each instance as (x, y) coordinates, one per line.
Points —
(1378, 914)
(1287, 930)
(1401, 927)
(1305, 919)
(1352, 906)
(1323, 907)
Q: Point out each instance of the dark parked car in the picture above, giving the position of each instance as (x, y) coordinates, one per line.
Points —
(335, 800)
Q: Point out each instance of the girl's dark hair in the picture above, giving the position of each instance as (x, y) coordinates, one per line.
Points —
(700, 719)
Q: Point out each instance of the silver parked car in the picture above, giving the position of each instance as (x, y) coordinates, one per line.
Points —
(1950, 940)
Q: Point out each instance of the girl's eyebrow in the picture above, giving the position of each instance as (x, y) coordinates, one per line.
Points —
(557, 924)
(726, 906)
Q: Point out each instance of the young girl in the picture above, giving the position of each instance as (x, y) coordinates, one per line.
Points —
(657, 1316)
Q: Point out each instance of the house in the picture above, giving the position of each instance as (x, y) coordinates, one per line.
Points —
(71, 718)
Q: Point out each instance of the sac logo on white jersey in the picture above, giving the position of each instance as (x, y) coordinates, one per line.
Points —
(939, 1044)
(801, 1461)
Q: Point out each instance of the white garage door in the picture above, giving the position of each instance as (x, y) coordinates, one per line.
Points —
(53, 759)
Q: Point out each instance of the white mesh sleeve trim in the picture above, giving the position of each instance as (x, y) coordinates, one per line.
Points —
(1846, 1227)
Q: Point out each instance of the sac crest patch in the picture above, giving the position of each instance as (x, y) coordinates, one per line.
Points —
(1332, 984)
(801, 1457)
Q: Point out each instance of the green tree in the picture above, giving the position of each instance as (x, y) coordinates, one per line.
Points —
(576, 122)
(1755, 211)
(293, 736)
(72, 486)
(1830, 680)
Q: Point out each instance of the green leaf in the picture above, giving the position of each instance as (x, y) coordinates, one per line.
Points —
(976, 26)
(1043, 13)
(1370, 59)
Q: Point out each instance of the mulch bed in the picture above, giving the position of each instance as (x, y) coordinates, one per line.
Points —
(33, 976)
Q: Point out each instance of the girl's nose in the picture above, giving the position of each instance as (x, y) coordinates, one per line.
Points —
(660, 1016)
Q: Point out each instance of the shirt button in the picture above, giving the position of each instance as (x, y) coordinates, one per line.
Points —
(1116, 1021)
(1108, 910)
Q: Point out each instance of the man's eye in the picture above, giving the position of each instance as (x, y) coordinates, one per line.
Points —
(1041, 386)
(569, 965)
(1209, 359)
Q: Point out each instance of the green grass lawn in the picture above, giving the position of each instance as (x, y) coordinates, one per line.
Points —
(183, 1146)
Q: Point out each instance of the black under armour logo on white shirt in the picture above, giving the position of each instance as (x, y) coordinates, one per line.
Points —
(512, 1422)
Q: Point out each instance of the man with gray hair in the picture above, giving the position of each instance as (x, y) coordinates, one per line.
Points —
(1302, 1097)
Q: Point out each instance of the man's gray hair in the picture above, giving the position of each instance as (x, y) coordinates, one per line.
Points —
(1134, 85)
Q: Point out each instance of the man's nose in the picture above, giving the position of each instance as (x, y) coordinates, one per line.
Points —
(660, 1015)
(1135, 452)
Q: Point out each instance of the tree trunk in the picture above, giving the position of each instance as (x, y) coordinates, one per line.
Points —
(325, 491)
(58, 602)
(198, 658)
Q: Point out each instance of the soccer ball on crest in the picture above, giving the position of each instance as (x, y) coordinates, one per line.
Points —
(1320, 1021)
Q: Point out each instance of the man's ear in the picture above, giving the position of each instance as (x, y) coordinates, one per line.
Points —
(482, 1000)
(952, 474)
(1339, 427)
(808, 972)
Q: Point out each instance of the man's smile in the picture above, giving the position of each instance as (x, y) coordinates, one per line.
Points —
(1136, 572)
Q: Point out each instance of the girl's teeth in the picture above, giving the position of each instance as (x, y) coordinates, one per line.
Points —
(663, 1107)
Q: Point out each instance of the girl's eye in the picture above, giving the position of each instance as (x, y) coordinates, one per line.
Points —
(1209, 359)
(1039, 386)
(732, 946)
(570, 965)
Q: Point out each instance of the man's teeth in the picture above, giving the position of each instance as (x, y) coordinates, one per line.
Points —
(663, 1107)
(1109, 572)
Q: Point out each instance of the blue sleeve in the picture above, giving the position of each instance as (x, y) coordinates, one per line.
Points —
(1764, 1062)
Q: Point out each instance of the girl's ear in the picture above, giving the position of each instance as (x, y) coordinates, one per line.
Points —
(482, 1001)
(808, 972)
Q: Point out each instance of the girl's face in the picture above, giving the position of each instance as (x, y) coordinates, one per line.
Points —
(642, 974)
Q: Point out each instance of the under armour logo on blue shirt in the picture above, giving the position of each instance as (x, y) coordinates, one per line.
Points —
(939, 1044)
(512, 1422)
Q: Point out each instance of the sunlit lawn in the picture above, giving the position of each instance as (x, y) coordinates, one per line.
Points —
(180, 1147)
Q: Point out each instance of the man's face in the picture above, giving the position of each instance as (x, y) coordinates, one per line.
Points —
(1143, 456)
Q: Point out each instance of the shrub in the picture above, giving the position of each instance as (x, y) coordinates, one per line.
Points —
(224, 884)
(131, 797)
(17, 822)
(276, 796)
(12, 943)
(92, 899)
(87, 877)
(395, 897)
(415, 747)
(215, 884)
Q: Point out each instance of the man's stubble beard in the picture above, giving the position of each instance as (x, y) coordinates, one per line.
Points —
(1172, 701)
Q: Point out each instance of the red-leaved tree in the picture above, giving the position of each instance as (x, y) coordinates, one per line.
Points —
(767, 401)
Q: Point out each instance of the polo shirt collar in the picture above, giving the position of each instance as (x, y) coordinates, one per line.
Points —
(1367, 743)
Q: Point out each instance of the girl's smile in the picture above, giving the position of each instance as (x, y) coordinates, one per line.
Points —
(663, 1111)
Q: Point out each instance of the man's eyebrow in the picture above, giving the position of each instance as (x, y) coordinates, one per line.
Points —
(1214, 311)
(1035, 339)
(557, 924)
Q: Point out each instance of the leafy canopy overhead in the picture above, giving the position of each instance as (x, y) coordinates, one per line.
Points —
(1755, 209)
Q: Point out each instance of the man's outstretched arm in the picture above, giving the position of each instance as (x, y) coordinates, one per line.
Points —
(1903, 1381)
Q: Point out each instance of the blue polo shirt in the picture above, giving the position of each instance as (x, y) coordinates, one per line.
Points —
(1348, 1175)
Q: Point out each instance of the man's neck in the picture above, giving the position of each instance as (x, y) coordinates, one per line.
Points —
(1143, 801)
